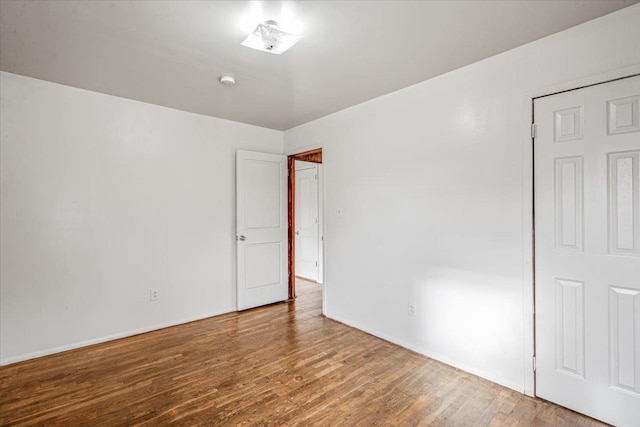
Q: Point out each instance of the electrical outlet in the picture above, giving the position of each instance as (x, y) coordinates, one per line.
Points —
(412, 309)
(340, 213)
(154, 295)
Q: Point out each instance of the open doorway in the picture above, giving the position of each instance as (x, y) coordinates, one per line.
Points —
(305, 219)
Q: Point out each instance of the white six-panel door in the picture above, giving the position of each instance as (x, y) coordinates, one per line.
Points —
(587, 250)
(306, 221)
(261, 221)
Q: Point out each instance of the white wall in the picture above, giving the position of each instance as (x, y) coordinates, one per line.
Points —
(103, 198)
(435, 184)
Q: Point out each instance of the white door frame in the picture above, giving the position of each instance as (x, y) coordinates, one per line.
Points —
(527, 205)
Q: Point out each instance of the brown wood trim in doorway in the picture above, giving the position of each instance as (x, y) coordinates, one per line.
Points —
(313, 156)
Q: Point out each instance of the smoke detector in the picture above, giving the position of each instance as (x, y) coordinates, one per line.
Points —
(227, 80)
(267, 37)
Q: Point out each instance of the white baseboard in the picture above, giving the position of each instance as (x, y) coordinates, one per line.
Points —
(446, 360)
(72, 346)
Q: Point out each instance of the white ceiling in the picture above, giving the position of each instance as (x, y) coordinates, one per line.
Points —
(171, 52)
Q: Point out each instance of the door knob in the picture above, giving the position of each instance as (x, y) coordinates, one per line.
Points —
(242, 238)
(297, 233)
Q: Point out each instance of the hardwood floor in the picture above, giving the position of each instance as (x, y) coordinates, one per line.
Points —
(283, 364)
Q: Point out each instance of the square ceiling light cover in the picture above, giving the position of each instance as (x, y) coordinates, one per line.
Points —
(268, 38)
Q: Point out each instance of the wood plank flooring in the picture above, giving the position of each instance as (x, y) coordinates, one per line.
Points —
(284, 364)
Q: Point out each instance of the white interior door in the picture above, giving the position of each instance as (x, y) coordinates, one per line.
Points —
(261, 209)
(587, 250)
(306, 220)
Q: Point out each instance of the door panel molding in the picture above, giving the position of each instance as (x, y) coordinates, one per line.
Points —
(261, 228)
(586, 211)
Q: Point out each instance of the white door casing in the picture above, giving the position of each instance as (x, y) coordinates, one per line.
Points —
(306, 221)
(261, 221)
(587, 250)
(321, 227)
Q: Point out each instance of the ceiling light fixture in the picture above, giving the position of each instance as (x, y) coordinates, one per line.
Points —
(267, 37)
(227, 80)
